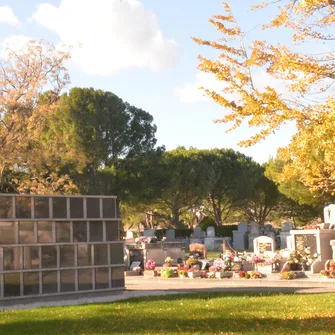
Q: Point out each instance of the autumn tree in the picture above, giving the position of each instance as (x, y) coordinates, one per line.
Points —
(28, 160)
(305, 80)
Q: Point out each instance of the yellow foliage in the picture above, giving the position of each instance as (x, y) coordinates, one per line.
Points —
(306, 79)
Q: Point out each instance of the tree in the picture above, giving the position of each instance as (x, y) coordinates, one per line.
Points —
(229, 183)
(184, 182)
(261, 198)
(28, 160)
(306, 98)
(104, 128)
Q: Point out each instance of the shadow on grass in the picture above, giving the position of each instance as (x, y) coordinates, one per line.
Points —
(164, 315)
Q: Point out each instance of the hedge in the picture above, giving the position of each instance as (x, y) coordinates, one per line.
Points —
(225, 231)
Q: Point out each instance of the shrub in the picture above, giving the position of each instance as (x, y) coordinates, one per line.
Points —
(225, 230)
(183, 233)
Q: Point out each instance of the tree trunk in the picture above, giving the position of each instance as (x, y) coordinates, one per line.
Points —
(175, 217)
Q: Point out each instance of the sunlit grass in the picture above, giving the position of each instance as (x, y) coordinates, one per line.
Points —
(202, 313)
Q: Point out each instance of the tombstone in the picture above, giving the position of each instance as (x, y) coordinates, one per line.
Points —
(285, 232)
(198, 248)
(331, 216)
(326, 214)
(263, 244)
(318, 241)
(240, 236)
(332, 244)
(170, 235)
(290, 242)
(198, 236)
(149, 232)
(210, 232)
(198, 233)
(129, 234)
(254, 233)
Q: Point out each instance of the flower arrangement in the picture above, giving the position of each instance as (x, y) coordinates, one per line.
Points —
(168, 260)
(167, 272)
(215, 268)
(191, 262)
(302, 257)
(255, 274)
(182, 270)
(328, 274)
(244, 275)
(255, 259)
(193, 269)
(150, 265)
(287, 275)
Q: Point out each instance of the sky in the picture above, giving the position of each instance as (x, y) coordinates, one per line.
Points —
(142, 50)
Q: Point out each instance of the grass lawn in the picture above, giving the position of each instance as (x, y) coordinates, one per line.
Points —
(201, 313)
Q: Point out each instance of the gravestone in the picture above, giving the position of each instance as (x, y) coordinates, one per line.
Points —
(210, 232)
(213, 243)
(240, 236)
(318, 241)
(149, 232)
(326, 215)
(331, 216)
(254, 233)
(198, 236)
(170, 235)
(263, 244)
(285, 232)
(269, 231)
(198, 232)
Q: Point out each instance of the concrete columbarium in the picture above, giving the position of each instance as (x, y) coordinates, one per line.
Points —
(56, 245)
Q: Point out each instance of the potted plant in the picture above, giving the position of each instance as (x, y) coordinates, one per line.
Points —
(287, 275)
(255, 259)
(194, 272)
(190, 262)
(217, 270)
(167, 272)
(150, 268)
(255, 274)
(182, 271)
(168, 262)
(243, 275)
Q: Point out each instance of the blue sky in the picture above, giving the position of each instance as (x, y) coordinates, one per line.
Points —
(142, 51)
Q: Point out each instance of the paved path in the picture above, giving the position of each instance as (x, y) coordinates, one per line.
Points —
(140, 286)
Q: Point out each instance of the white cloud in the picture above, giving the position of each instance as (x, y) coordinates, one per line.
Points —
(114, 34)
(7, 16)
(192, 92)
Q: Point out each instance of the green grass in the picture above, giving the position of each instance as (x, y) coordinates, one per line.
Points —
(201, 313)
